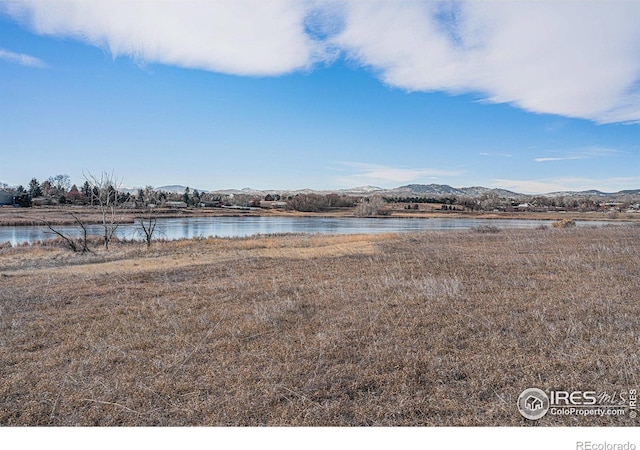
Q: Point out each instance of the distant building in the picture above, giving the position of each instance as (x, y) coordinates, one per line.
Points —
(214, 204)
(272, 204)
(6, 198)
(42, 201)
(172, 204)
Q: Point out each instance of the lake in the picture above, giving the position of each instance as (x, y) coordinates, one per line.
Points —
(179, 228)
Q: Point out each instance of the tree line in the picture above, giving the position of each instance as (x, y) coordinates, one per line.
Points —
(102, 192)
(59, 190)
(492, 201)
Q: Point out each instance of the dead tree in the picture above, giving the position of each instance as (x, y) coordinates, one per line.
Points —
(79, 246)
(148, 226)
(104, 194)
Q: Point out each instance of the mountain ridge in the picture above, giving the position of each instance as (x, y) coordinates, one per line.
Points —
(415, 190)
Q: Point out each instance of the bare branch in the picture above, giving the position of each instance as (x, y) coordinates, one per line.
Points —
(69, 241)
(83, 226)
(148, 226)
(79, 246)
(104, 194)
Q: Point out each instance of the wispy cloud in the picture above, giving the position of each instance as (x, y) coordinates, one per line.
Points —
(22, 59)
(496, 155)
(559, 158)
(363, 173)
(543, 57)
(547, 185)
(583, 154)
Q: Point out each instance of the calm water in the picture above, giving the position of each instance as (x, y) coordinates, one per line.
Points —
(248, 226)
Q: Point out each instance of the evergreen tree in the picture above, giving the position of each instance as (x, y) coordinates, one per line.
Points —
(185, 196)
(34, 188)
(196, 197)
(86, 189)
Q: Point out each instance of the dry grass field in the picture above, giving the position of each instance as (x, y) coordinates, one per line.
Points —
(428, 329)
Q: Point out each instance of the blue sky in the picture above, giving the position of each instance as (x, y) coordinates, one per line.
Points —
(529, 96)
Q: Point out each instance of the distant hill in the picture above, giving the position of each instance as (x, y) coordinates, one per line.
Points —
(428, 189)
(630, 192)
(442, 190)
(363, 190)
(409, 190)
(593, 193)
(590, 193)
(176, 189)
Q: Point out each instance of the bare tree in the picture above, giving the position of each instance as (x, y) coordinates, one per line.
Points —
(104, 194)
(148, 226)
(372, 206)
(77, 245)
(59, 185)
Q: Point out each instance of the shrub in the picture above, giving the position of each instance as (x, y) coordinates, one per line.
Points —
(374, 206)
(308, 203)
(564, 223)
(340, 201)
(486, 229)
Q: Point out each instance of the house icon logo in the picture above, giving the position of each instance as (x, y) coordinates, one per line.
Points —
(533, 403)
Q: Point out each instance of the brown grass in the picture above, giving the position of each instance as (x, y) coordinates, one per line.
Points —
(437, 328)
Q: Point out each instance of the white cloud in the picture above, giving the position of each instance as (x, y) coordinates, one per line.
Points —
(576, 59)
(363, 173)
(242, 37)
(21, 58)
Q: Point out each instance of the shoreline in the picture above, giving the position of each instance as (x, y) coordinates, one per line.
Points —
(12, 216)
